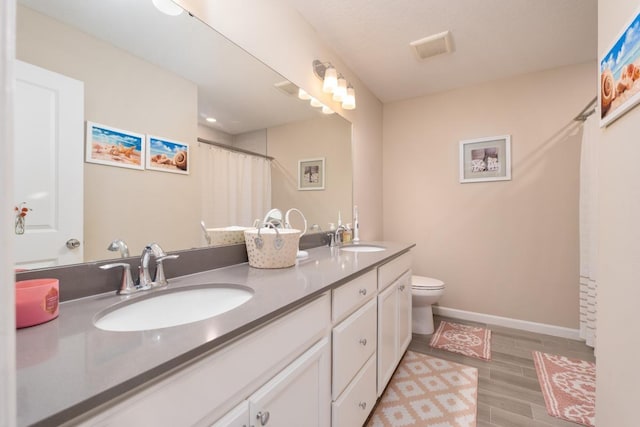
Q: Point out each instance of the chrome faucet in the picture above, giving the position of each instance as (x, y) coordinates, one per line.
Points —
(121, 246)
(127, 285)
(159, 279)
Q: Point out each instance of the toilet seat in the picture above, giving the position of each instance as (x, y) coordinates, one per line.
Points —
(426, 283)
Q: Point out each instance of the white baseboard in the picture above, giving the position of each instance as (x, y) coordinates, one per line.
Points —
(541, 328)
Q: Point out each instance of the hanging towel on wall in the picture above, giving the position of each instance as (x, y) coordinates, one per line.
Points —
(589, 231)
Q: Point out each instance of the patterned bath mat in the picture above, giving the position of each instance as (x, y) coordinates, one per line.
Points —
(472, 341)
(425, 391)
(568, 386)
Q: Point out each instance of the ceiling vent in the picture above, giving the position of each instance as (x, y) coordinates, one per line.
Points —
(433, 45)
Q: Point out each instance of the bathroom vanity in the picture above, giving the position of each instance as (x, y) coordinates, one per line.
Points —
(314, 346)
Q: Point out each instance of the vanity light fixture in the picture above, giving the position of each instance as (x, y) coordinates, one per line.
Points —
(333, 82)
(167, 7)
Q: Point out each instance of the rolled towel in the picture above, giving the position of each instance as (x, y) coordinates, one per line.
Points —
(180, 159)
(607, 90)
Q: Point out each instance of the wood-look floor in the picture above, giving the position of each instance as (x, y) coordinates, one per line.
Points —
(508, 390)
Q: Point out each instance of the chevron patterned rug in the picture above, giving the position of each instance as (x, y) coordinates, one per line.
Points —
(428, 392)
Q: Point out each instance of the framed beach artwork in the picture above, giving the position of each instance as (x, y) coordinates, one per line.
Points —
(110, 146)
(485, 159)
(311, 174)
(167, 156)
(620, 74)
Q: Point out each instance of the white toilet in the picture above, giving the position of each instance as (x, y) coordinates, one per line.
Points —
(425, 291)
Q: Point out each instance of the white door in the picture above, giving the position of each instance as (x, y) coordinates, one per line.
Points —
(48, 159)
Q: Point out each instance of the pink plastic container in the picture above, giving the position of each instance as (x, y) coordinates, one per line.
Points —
(36, 301)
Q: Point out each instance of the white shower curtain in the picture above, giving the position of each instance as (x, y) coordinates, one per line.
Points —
(588, 231)
(236, 187)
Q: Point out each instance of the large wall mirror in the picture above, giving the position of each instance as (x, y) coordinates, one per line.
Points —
(149, 73)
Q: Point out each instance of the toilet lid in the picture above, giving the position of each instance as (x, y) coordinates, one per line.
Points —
(421, 282)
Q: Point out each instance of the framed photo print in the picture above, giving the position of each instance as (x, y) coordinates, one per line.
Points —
(620, 74)
(311, 174)
(167, 156)
(485, 159)
(111, 146)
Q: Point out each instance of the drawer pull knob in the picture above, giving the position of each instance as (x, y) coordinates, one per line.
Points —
(401, 288)
(363, 341)
(363, 291)
(263, 417)
(363, 405)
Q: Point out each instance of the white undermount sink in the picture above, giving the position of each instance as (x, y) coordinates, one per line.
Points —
(362, 248)
(173, 307)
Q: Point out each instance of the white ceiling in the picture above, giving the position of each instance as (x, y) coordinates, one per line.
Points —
(493, 39)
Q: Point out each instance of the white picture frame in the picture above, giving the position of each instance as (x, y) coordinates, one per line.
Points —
(311, 174)
(110, 146)
(485, 159)
(167, 155)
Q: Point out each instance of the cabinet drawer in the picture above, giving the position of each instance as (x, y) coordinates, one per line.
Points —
(355, 404)
(354, 341)
(390, 271)
(348, 297)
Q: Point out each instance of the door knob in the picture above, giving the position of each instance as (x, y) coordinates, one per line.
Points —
(73, 243)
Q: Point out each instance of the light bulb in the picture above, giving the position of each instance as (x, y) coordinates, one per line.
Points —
(330, 80)
(349, 101)
(315, 103)
(341, 90)
(327, 110)
(302, 94)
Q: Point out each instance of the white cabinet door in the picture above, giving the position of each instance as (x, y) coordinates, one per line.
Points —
(394, 327)
(49, 131)
(404, 313)
(299, 396)
(237, 417)
(387, 336)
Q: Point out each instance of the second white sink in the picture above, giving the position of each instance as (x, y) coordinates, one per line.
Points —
(173, 307)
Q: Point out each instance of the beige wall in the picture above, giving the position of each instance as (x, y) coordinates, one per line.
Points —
(618, 343)
(327, 137)
(277, 35)
(506, 248)
(127, 93)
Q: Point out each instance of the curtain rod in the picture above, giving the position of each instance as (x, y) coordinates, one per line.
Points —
(232, 148)
(587, 111)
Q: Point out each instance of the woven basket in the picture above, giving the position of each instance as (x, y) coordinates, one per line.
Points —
(227, 235)
(272, 248)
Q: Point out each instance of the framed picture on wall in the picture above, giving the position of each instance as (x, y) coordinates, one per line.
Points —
(620, 74)
(485, 159)
(311, 174)
(167, 156)
(111, 146)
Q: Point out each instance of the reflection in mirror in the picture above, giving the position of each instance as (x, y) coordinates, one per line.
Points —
(149, 73)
